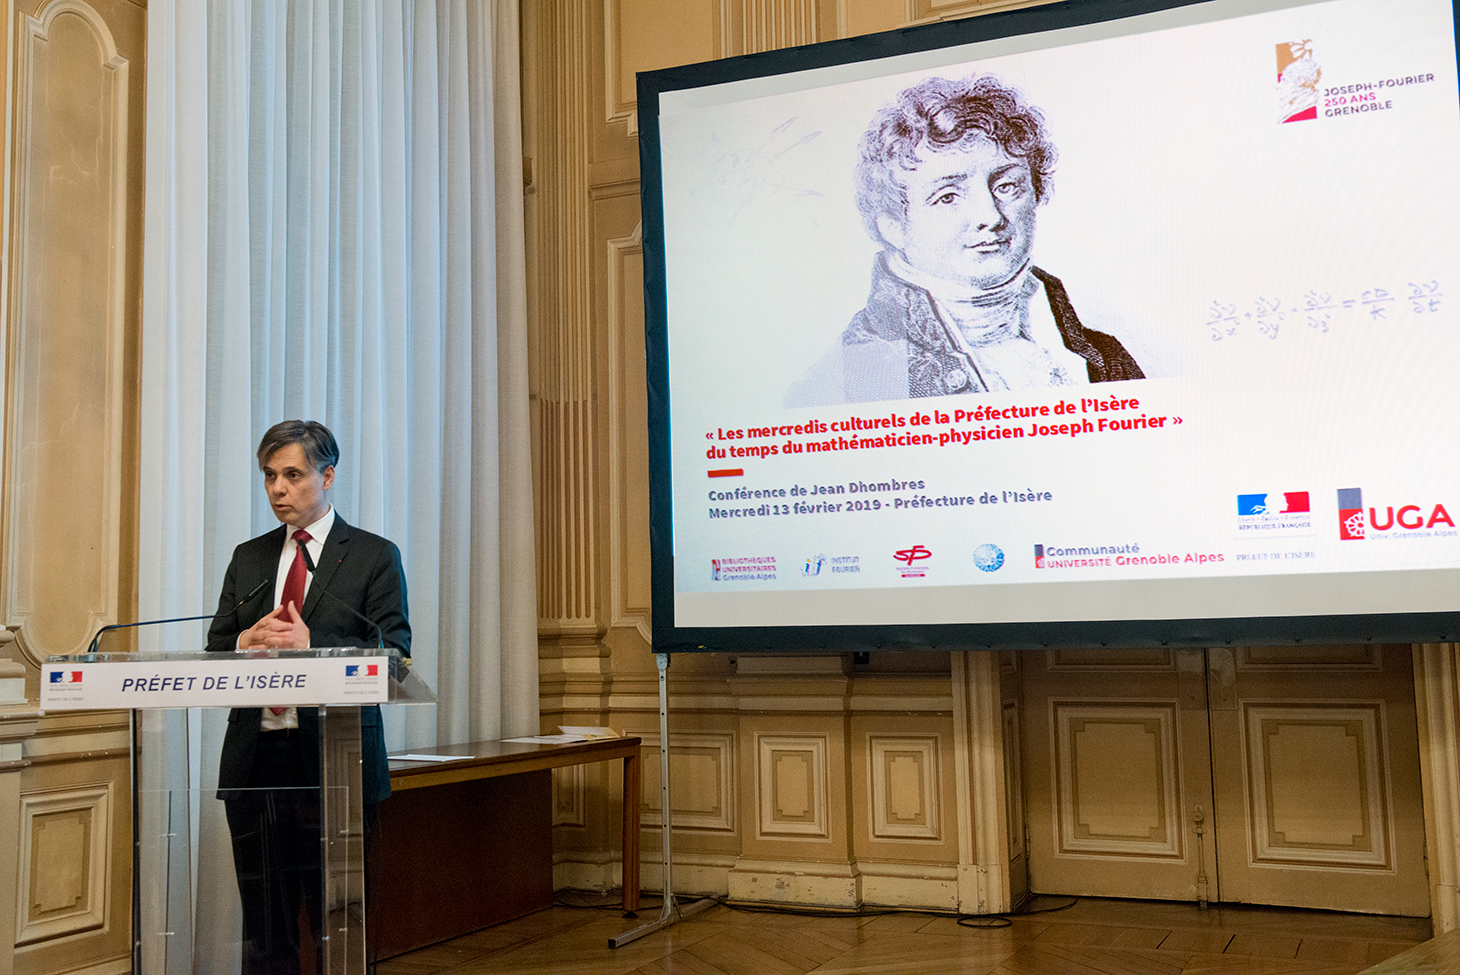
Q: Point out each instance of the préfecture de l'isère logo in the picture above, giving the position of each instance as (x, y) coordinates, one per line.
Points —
(1297, 81)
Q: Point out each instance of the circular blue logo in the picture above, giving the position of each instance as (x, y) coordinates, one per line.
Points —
(988, 557)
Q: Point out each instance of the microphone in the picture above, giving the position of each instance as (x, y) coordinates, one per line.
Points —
(96, 640)
(379, 633)
(399, 662)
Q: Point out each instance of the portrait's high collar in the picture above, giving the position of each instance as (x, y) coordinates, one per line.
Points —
(979, 315)
(955, 291)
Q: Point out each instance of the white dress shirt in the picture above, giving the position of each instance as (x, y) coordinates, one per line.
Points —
(318, 532)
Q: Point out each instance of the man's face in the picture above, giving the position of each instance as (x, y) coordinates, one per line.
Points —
(970, 215)
(295, 488)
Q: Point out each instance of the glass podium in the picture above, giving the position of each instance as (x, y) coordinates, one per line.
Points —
(296, 843)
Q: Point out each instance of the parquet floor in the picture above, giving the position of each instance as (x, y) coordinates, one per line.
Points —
(1091, 937)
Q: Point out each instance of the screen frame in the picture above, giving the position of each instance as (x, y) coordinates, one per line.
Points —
(820, 639)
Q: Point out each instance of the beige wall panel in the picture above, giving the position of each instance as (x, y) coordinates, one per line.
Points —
(904, 776)
(568, 796)
(1116, 779)
(74, 895)
(855, 17)
(69, 319)
(791, 786)
(64, 854)
(1151, 660)
(925, 10)
(796, 772)
(586, 817)
(701, 781)
(628, 454)
(1296, 753)
(644, 35)
(1437, 685)
(1367, 656)
(1014, 791)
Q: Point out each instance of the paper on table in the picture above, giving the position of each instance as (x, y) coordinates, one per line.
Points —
(548, 739)
(586, 733)
(430, 758)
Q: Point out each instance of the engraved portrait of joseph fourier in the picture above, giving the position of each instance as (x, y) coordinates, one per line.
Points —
(949, 180)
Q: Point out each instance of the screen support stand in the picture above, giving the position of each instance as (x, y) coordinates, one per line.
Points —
(672, 912)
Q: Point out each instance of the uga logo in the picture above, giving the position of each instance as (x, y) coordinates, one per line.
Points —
(1410, 516)
(1353, 526)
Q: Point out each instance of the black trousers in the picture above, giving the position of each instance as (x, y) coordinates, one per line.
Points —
(275, 827)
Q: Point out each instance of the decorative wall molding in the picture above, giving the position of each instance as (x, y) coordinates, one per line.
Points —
(791, 787)
(1437, 695)
(628, 459)
(568, 797)
(705, 30)
(769, 25)
(65, 850)
(926, 11)
(1288, 751)
(563, 363)
(66, 353)
(1014, 786)
(902, 777)
(1113, 806)
(700, 35)
(702, 780)
(980, 781)
(1107, 659)
(1359, 657)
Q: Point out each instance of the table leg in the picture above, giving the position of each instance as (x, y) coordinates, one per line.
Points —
(632, 799)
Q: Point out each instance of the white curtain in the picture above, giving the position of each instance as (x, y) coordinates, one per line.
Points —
(334, 231)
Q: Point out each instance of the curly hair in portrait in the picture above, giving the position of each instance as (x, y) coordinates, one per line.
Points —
(941, 113)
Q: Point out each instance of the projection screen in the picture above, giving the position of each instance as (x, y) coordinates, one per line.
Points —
(1096, 322)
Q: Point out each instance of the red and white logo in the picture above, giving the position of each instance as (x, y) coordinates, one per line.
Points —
(1353, 526)
(1298, 76)
(912, 560)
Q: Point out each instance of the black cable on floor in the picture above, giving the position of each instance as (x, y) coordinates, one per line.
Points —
(1006, 919)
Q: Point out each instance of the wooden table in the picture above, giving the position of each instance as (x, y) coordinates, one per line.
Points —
(487, 815)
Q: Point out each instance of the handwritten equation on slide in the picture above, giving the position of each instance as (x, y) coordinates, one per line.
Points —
(1320, 310)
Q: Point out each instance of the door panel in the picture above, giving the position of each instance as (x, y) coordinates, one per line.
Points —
(1316, 769)
(1115, 746)
(1301, 765)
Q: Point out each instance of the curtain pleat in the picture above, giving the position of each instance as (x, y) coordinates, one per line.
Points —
(335, 233)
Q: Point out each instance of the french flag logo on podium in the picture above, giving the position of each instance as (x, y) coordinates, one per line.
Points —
(353, 670)
(65, 677)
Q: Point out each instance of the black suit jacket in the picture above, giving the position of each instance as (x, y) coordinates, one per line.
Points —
(360, 570)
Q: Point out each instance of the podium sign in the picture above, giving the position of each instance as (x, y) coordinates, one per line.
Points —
(242, 679)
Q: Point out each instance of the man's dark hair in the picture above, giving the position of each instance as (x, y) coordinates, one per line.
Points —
(319, 444)
(941, 113)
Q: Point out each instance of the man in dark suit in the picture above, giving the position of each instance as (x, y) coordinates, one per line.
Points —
(269, 772)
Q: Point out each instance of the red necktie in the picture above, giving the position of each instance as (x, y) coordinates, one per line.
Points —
(294, 583)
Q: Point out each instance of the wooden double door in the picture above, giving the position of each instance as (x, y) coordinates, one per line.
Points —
(1269, 775)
